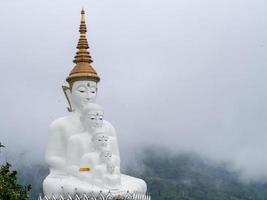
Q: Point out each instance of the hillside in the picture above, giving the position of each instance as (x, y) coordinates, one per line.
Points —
(188, 177)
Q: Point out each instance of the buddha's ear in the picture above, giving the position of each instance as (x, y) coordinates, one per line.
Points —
(67, 93)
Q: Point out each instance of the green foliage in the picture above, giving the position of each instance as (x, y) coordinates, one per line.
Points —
(9, 188)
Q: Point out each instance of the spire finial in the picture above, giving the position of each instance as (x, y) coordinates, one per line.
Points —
(83, 25)
(82, 59)
(82, 55)
(82, 14)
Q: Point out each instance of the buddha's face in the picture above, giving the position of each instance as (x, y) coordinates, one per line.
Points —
(83, 92)
(106, 156)
(101, 141)
(93, 119)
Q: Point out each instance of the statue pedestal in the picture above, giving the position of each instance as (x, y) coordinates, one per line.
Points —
(99, 196)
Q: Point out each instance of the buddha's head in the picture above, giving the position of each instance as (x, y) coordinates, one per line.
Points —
(92, 117)
(82, 93)
(83, 79)
(100, 140)
(106, 156)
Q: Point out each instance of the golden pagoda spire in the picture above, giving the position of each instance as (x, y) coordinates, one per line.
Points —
(83, 69)
(82, 55)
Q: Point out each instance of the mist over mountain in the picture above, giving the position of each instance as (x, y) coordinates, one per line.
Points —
(189, 176)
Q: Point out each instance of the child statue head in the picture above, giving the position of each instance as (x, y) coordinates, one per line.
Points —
(92, 116)
(100, 141)
(106, 156)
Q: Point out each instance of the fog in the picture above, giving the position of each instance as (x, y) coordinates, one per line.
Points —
(182, 74)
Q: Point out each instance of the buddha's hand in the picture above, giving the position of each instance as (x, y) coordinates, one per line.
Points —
(110, 167)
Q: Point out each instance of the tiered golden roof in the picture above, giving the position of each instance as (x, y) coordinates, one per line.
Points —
(83, 69)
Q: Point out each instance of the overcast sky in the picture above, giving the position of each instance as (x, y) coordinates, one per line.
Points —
(185, 74)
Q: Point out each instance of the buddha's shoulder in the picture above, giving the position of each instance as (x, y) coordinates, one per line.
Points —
(80, 137)
(62, 122)
(109, 127)
(107, 124)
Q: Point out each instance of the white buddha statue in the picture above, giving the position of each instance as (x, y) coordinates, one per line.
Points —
(80, 92)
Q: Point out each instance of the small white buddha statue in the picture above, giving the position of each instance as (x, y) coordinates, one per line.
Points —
(80, 92)
(91, 159)
(107, 171)
(84, 149)
(100, 142)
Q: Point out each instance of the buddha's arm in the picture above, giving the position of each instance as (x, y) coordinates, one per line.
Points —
(113, 137)
(55, 149)
(89, 160)
(73, 153)
(117, 171)
(115, 150)
(87, 163)
(99, 171)
(116, 160)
